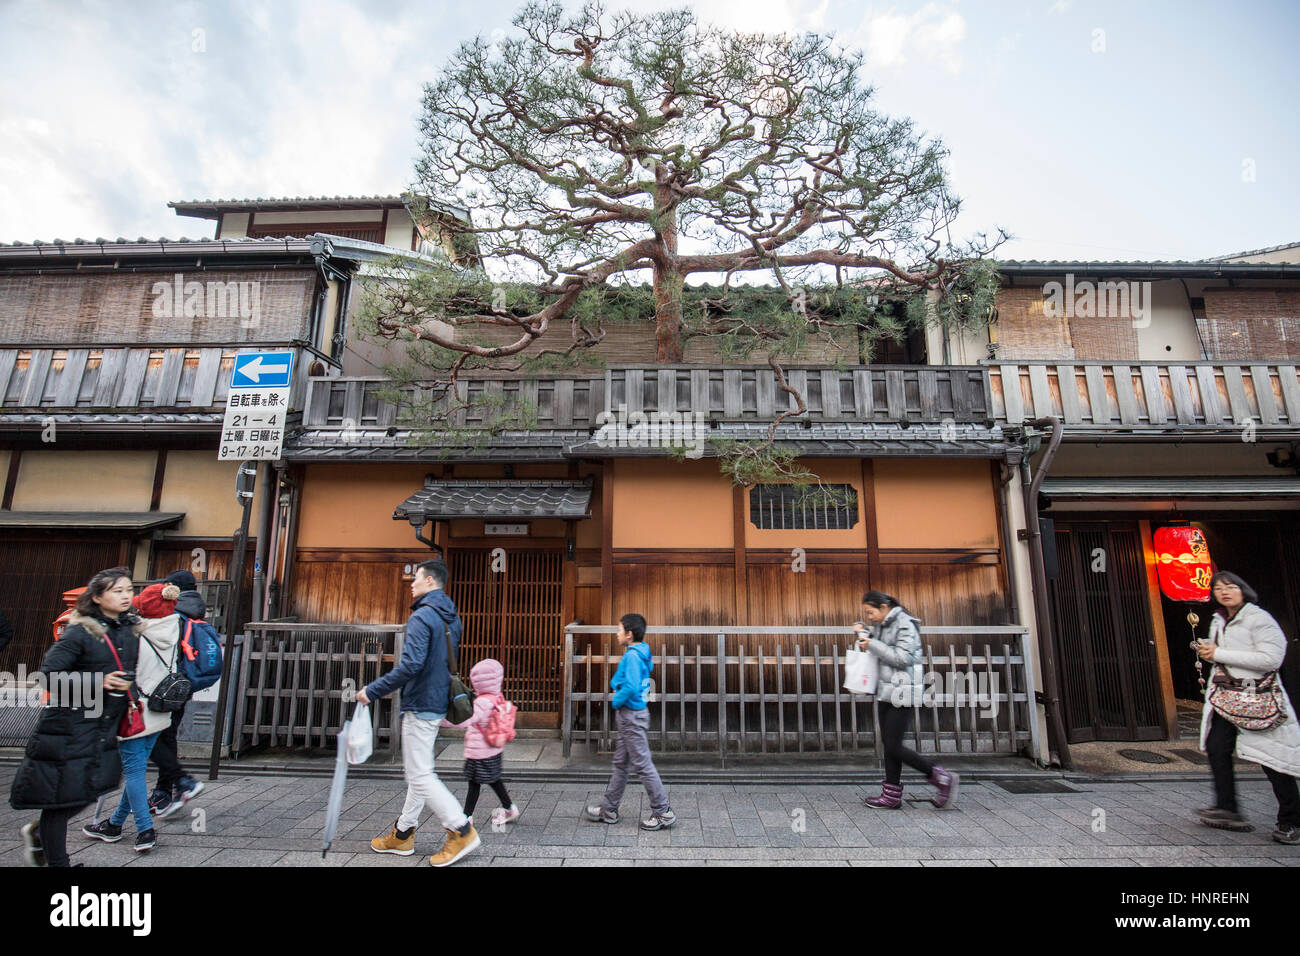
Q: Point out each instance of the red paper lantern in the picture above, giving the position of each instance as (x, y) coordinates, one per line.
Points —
(1183, 563)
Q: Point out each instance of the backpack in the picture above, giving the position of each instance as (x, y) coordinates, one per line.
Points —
(201, 653)
(500, 729)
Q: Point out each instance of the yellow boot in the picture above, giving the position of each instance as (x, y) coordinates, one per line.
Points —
(455, 847)
(393, 842)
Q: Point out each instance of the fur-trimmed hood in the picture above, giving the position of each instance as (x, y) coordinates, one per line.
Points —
(96, 628)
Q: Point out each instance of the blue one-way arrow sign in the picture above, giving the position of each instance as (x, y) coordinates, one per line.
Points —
(262, 370)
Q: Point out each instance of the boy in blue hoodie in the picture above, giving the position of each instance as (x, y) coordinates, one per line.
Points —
(631, 684)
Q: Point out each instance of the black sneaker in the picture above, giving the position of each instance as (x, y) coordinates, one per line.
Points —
(1226, 820)
(32, 845)
(103, 830)
(187, 788)
(1288, 835)
(159, 799)
(144, 842)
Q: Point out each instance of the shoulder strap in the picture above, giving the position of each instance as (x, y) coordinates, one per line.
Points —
(108, 639)
(453, 664)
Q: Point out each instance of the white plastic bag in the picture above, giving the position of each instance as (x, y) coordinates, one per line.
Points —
(861, 671)
(361, 736)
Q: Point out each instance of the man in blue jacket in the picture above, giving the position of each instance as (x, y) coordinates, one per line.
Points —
(631, 685)
(424, 678)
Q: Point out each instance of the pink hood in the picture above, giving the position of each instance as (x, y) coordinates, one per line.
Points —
(486, 676)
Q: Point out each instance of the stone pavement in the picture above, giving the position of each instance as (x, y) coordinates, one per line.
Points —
(268, 820)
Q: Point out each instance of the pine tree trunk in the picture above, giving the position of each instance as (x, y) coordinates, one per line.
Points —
(668, 283)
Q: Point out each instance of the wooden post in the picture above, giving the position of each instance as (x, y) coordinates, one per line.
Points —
(869, 521)
(1156, 609)
(607, 543)
(738, 543)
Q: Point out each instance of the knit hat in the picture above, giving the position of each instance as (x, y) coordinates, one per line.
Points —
(157, 600)
(183, 580)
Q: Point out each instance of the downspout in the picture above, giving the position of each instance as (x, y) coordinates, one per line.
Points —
(1007, 474)
(1047, 643)
(270, 598)
(265, 508)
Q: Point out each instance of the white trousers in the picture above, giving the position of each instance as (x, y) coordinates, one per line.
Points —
(423, 788)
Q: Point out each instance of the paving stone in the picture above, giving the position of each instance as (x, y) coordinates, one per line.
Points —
(244, 858)
(981, 862)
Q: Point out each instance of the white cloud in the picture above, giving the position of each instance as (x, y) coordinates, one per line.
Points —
(933, 33)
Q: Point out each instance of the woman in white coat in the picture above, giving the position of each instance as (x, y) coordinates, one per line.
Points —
(159, 632)
(1246, 643)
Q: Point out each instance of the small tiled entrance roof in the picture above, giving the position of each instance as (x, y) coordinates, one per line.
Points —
(500, 498)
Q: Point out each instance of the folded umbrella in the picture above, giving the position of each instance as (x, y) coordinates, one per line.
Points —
(335, 804)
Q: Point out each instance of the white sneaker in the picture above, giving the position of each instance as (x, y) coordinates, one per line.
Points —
(502, 816)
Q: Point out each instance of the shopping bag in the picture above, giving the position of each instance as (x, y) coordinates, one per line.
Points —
(361, 735)
(861, 671)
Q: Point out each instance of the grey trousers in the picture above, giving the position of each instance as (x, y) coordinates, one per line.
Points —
(634, 750)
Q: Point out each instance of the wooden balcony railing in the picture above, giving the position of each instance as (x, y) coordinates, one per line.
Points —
(913, 394)
(141, 379)
(1138, 395)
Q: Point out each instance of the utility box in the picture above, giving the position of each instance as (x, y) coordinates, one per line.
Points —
(201, 711)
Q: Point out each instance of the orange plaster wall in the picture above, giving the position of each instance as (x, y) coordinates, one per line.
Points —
(934, 504)
(670, 504)
(351, 506)
(831, 471)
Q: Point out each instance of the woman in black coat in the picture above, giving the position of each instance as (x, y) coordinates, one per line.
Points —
(72, 757)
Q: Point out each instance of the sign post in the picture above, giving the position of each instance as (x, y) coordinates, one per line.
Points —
(253, 430)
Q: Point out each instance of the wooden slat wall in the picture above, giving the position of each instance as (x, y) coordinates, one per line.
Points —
(741, 394)
(351, 587)
(114, 378)
(676, 593)
(1142, 394)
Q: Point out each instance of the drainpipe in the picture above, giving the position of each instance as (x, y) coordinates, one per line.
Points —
(1046, 644)
(1008, 565)
(266, 507)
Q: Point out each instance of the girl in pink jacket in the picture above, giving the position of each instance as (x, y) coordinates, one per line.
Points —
(482, 760)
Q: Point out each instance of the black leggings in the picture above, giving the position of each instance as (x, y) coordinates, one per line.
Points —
(471, 797)
(54, 835)
(894, 722)
(1219, 746)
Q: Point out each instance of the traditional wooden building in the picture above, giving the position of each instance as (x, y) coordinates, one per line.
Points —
(610, 503)
(1181, 408)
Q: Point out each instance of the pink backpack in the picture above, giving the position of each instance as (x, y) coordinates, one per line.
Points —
(500, 729)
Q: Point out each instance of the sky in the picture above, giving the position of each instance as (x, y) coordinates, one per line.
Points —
(1142, 129)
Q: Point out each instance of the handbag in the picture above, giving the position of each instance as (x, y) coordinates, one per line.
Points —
(173, 691)
(1249, 704)
(132, 722)
(460, 697)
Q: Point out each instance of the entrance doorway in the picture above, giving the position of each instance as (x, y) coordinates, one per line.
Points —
(511, 603)
(1109, 683)
(1264, 551)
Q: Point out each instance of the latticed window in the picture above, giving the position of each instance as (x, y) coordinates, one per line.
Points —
(803, 507)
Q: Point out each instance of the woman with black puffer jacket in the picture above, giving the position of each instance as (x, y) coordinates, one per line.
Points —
(72, 757)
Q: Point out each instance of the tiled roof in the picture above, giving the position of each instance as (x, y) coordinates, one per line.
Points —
(509, 498)
(288, 200)
(1141, 266)
(832, 439)
(1257, 252)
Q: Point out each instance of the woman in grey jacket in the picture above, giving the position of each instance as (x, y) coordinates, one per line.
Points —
(896, 643)
(1246, 643)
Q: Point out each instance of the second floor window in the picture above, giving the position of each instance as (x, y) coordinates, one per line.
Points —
(802, 507)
